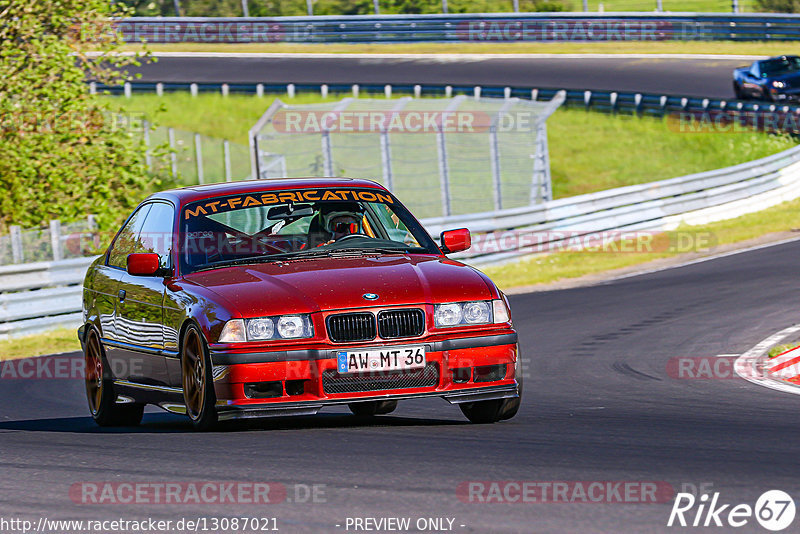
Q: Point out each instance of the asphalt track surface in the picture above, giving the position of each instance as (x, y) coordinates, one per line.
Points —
(710, 78)
(599, 406)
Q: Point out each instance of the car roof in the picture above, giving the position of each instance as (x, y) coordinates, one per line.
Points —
(194, 193)
(785, 56)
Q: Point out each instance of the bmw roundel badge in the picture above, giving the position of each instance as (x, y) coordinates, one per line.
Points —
(370, 296)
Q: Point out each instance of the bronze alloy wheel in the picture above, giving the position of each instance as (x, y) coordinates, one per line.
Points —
(94, 373)
(100, 389)
(198, 393)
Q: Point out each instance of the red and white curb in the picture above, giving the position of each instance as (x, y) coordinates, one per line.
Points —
(781, 372)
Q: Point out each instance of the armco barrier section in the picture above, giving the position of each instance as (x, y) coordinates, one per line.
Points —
(686, 111)
(494, 27)
(36, 297)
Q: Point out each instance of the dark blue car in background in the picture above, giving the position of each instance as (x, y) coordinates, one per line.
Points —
(776, 79)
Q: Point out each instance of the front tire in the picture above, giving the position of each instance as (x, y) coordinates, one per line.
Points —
(738, 92)
(483, 412)
(370, 408)
(100, 388)
(197, 380)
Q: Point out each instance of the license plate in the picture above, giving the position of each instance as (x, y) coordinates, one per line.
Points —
(382, 359)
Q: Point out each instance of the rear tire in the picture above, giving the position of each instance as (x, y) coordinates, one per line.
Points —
(100, 388)
(483, 412)
(370, 408)
(197, 380)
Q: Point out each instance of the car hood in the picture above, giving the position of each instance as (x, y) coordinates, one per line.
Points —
(304, 286)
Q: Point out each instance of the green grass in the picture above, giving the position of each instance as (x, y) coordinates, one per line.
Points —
(55, 341)
(553, 267)
(779, 349)
(610, 47)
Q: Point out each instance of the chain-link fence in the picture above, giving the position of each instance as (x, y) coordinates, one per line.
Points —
(440, 156)
(195, 158)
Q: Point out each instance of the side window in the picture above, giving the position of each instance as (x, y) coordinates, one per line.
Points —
(156, 233)
(126, 240)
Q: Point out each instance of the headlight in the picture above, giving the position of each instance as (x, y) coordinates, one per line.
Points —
(266, 328)
(448, 314)
(778, 84)
(460, 313)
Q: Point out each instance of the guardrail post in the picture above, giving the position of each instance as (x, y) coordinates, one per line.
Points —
(225, 88)
(444, 167)
(444, 6)
(327, 153)
(127, 89)
(92, 88)
(173, 155)
(55, 240)
(226, 157)
(355, 90)
(587, 99)
(417, 91)
(309, 7)
(534, 95)
(17, 252)
(613, 101)
(193, 89)
(637, 101)
(507, 93)
(323, 90)
(387, 91)
(260, 90)
(159, 89)
(448, 91)
(477, 92)
(515, 5)
(198, 156)
(290, 90)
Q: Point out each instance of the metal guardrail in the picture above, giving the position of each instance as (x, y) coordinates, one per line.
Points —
(494, 27)
(782, 117)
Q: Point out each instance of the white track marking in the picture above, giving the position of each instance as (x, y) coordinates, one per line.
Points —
(747, 365)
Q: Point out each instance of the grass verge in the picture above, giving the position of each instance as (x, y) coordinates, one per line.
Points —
(544, 269)
(757, 48)
(55, 341)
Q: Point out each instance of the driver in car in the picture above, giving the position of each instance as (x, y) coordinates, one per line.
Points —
(337, 222)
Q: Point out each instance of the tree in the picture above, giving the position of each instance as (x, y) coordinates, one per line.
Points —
(61, 154)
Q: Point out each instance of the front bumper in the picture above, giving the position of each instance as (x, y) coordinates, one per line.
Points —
(300, 380)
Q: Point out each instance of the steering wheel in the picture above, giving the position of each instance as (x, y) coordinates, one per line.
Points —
(349, 236)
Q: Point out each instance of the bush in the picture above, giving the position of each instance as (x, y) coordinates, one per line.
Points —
(61, 157)
(778, 6)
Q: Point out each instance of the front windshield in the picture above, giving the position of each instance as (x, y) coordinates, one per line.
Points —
(780, 66)
(282, 225)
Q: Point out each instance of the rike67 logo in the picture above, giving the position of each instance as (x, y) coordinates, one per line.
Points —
(774, 510)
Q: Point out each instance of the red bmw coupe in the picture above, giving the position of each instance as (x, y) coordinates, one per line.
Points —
(283, 297)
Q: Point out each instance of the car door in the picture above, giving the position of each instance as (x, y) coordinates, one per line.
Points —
(107, 284)
(140, 316)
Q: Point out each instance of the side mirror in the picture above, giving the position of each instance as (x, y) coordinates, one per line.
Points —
(144, 264)
(456, 240)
